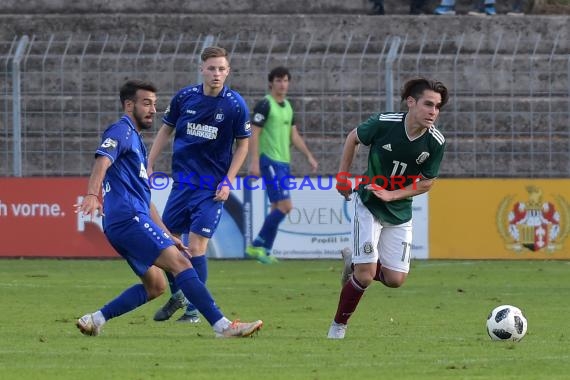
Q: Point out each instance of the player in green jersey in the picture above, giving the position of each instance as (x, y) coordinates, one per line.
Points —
(405, 154)
(274, 130)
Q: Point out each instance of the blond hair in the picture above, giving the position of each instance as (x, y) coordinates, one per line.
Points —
(214, 52)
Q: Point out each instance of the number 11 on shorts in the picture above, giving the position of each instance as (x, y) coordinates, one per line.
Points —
(406, 251)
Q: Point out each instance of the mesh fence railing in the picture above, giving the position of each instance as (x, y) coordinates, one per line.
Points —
(508, 114)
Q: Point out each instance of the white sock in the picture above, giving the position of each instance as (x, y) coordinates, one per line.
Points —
(221, 325)
(98, 318)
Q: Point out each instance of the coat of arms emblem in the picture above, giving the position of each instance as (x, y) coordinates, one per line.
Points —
(535, 224)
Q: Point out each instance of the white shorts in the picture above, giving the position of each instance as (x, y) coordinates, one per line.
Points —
(373, 240)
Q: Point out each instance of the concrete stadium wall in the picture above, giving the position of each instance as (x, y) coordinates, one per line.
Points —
(185, 6)
(224, 6)
(320, 27)
(329, 24)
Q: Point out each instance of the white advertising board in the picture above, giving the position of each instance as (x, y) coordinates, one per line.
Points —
(318, 226)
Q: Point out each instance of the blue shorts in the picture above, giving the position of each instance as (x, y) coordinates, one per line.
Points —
(139, 241)
(276, 177)
(192, 210)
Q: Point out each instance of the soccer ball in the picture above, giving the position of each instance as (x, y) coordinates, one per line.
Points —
(506, 322)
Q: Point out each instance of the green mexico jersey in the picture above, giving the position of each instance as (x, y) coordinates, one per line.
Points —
(276, 120)
(395, 161)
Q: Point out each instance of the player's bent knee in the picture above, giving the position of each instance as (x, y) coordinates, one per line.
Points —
(364, 277)
(394, 279)
(172, 260)
(154, 283)
(155, 291)
(393, 284)
(180, 264)
(198, 250)
(285, 206)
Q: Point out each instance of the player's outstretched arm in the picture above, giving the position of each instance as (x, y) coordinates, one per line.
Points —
(299, 143)
(91, 204)
(254, 151)
(349, 151)
(240, 154)
(413, 189)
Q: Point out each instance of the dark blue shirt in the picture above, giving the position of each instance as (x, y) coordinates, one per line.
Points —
(126, 191)
(206, 127)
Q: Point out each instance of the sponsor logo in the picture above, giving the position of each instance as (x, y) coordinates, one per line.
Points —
(388, 147)
(535, 224)
(109, 143)
(202, 130)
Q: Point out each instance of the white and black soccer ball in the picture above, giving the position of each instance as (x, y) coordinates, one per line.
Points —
(506, 322)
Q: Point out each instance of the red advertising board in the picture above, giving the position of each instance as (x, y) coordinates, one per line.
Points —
(38, 219)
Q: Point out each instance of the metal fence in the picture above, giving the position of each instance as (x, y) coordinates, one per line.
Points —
(508, 115)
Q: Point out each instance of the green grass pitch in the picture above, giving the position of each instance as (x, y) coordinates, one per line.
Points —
(431, 328)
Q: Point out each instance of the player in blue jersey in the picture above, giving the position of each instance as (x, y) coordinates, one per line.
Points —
(205, 120)
(132, 224)
(406, 150)
(274, 131)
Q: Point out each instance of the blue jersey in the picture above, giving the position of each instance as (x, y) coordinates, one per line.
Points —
(206, 127)
(126, 191)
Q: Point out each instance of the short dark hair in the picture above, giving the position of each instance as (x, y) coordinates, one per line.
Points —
(279, 72)
(416, 87)
(213, 52)
(129, 89)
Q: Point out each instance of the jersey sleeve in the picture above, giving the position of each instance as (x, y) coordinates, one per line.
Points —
(112, 142)
(260, 113)
(242, 127)
(172, 111)
(430, 168)
(368, 130)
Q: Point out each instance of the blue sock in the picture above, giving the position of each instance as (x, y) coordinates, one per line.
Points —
(196, 292)
(268, 232)
(200, 264)
(130, 299)
(171, 283)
